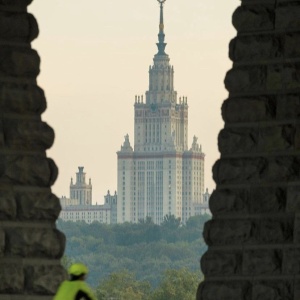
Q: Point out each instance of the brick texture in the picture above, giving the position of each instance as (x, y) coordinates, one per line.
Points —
(253, 237)
(30, 244)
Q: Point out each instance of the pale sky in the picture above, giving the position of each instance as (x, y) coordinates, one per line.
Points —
(95, 58)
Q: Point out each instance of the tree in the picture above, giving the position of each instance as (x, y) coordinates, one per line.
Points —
(171, 222)
(123, 286)
(148, 220)
(145, 249)
(177, 285)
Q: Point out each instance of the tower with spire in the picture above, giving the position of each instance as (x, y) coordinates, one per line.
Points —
(81, 190)
(160, 175)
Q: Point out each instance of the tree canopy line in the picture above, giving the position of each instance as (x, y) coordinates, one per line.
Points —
(138, 261)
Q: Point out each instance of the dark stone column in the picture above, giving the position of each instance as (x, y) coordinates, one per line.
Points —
(253, 237)
(30, 244)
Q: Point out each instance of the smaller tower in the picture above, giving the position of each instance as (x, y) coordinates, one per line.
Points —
(81, 190)
(112, 200)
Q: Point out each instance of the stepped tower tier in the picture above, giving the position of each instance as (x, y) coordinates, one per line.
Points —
(161, 123)
(161, 74)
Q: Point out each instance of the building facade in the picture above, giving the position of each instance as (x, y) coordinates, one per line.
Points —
(79, 206)
(81, 190)
(86, 213)
(160, 175)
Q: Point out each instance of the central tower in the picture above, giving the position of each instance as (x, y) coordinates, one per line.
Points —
(160, 176)
(161, 123)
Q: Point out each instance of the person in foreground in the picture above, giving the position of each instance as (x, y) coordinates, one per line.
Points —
(75, 288)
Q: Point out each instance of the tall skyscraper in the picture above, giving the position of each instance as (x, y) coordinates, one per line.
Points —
(160, 176)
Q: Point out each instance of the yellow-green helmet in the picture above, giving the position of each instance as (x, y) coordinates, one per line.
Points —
(78, 269)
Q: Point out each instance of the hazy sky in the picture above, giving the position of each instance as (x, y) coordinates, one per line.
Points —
(95, 59)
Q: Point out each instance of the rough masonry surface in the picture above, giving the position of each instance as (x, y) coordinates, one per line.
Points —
(254, 236)
(30, 244)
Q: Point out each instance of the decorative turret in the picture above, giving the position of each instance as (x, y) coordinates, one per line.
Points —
(126, 147)
(195, 146)
(80, 176)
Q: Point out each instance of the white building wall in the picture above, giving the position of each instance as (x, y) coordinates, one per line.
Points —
(88, 214)
(64, 201)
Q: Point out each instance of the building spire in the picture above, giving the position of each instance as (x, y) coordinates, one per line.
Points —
(161, 45)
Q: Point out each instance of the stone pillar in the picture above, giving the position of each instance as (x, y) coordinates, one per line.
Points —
(253, 237)
(30, 244)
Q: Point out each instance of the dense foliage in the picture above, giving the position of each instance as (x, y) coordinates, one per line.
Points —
(178, 284)
(145, 249)
(123, 286)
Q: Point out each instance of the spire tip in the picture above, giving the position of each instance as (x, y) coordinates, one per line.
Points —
(161, 36)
